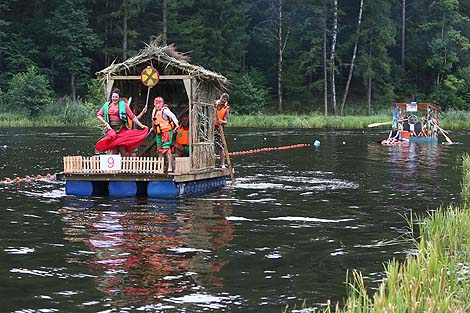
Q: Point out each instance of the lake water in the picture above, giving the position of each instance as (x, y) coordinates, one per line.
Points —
(296, 222)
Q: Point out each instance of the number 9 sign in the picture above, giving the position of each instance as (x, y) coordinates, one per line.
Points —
(110, 162)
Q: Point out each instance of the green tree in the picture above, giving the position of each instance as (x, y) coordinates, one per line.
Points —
(214, 30)
(374, 62)
(17, 51)
(72, 38)
(449, 41)
(250, 93)
(28, 92)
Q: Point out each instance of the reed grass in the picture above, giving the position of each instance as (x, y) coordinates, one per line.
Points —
(68, 115)
(21, 120)
(305, 121)
(436, 279)
(466, 178)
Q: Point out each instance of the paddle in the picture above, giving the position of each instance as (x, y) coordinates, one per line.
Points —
(227, 156)
(444, 134)
(379, 124)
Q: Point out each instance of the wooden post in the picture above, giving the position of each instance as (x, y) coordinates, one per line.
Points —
(227, 156)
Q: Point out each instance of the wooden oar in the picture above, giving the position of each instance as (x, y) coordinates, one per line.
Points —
(379, 124)
(227, 156)
(444, 134)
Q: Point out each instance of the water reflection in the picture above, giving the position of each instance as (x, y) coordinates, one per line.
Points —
(408, 164)
(148, 252)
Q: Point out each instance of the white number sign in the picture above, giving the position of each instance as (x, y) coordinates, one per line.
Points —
(412, 107)
(110, 162)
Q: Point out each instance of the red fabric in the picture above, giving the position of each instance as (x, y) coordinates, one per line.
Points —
(165, 136)
(163, 150)
(110, 133)
(130, 139)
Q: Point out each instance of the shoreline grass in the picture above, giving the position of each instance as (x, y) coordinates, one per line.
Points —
(435, 279)
(453, 120)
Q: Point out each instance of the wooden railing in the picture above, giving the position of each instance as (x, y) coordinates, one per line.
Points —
(129, 165)
(91, 165)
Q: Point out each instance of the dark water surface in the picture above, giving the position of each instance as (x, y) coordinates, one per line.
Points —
(296, 222)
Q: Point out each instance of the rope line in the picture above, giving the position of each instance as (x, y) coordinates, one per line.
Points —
(49, 176)
(29, 178)
(299, 145)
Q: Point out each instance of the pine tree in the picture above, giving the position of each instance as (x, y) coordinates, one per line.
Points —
(72, 37)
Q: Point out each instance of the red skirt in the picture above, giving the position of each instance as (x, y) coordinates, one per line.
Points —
(130, 139)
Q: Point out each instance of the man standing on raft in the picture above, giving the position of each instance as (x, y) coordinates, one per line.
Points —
(222, 113)
(164, 121)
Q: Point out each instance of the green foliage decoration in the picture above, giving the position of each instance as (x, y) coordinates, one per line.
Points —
(28, 92)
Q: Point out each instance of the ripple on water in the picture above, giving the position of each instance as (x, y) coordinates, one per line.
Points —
(295, 182)
(19, 250)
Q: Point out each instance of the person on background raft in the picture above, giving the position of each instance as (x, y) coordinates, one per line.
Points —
(119, 138)
(181, 147)
(164, 121)
(221, 118)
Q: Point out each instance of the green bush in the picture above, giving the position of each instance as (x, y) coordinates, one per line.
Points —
(69, 113)
(28, 92)
(249, 95)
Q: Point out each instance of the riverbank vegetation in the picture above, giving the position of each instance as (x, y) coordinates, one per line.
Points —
(291, 57)
(434, 278)
(452, 120)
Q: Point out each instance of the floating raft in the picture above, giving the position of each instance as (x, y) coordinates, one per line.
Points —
(132, 176)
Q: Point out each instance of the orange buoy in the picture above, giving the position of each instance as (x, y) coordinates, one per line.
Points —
(27, 177)
(7, 180)
(38, 176)
(17, 179)
(48, 176)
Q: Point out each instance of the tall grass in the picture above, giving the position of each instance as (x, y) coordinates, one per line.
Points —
(436, 279)
(466, 178)
(61, 113)
(305, 121)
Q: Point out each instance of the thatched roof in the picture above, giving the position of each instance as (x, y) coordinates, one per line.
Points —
(168, 57)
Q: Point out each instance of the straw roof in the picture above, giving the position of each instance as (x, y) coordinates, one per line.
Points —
(167, 56)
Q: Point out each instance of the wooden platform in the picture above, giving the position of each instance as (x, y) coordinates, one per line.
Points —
(136, 169)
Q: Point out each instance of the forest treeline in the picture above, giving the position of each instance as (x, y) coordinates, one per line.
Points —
(323, 56)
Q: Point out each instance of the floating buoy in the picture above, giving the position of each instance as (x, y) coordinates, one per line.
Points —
(27, 177)
(7, 180)
(17, 179)
(38, 176)
(316, 143)
(48, 176)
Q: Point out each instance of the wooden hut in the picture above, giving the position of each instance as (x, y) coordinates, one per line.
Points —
(186, 89)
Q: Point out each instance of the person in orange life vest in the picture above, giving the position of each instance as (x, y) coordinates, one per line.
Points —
(221, 118)
(181, 147)
(113, 115)
(164, 121)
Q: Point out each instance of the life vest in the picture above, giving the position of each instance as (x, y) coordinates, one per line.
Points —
(161, 125)
(122, 111)
(182, 136)
(220, 113)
